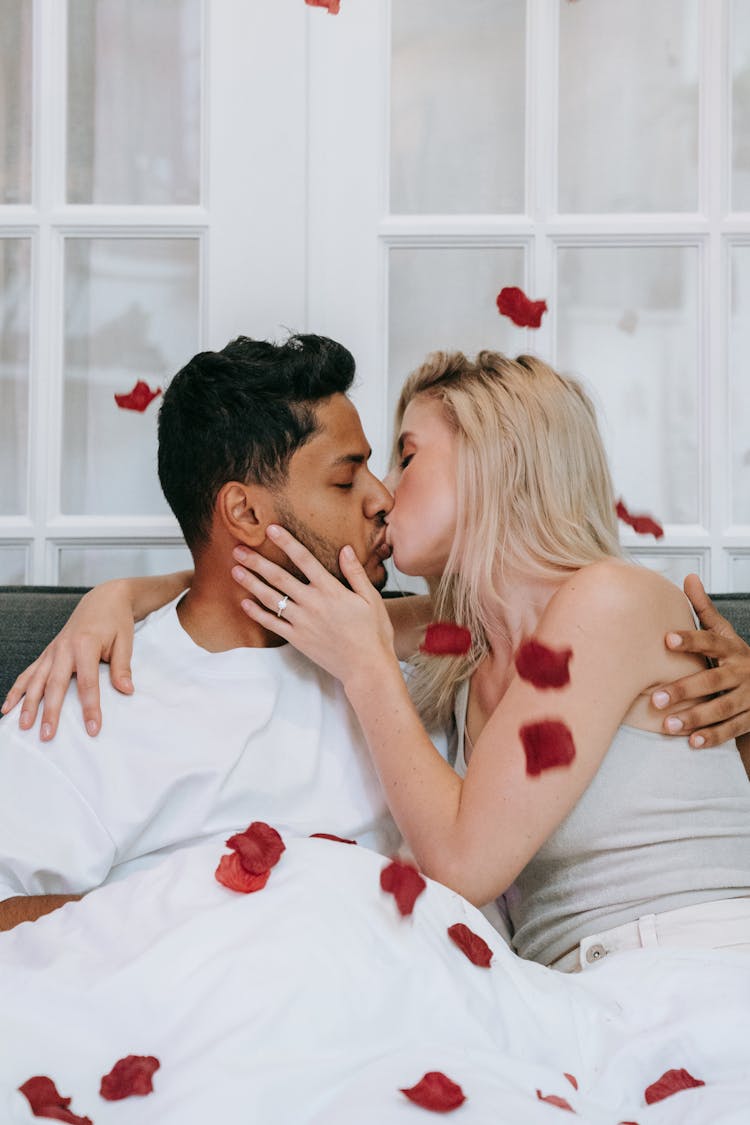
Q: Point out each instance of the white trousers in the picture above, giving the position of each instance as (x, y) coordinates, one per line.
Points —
(724, 924)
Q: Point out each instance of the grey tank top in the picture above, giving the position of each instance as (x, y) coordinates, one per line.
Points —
(660, 826)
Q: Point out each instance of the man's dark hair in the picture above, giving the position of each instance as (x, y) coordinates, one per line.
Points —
(240, 414)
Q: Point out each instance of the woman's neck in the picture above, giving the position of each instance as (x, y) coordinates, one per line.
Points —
(525, 602)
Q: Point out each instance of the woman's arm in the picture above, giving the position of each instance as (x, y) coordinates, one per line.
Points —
(477, 835)
(726, 714)
(99, 629)
(409, 617)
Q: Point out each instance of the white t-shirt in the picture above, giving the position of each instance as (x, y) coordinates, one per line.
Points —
(208, 743)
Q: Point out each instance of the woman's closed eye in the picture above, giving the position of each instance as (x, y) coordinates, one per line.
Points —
(405, 461)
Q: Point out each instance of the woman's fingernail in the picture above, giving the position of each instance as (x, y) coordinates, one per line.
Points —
(660, 699)
(674, 640)
(46, 731)
(697, 741)
(127, 683)
(348, 553)
(273, 531)
(241, 553)
(238, 573)
(25, 721)
(673, 724)
(92, 726)
(4, 707)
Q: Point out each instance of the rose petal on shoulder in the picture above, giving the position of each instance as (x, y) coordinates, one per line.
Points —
(230, 873)
(259, 847)
(445, 638)
(471, 944)
(671, 1082)
(548, 745)
(542, 666)
(437, 1092)
(129, 1076)
(404, 882)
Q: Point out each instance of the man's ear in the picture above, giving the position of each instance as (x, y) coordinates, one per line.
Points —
(245, 510)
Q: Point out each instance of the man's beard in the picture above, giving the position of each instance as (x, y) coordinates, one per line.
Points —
(324, 551)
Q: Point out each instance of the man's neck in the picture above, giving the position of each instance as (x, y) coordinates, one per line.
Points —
(211, 615)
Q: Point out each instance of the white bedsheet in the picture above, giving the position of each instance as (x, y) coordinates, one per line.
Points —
(312, 1002)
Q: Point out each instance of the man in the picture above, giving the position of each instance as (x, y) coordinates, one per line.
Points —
(228, 726)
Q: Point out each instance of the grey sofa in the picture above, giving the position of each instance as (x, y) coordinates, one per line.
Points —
(31, 615)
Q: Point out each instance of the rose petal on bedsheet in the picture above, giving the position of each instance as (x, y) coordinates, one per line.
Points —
(553, 1099)
(129, 1076)
(548, 745)
(139, 398)
(435, 1091)
(403, 881)
(445, 638)
(230, 873)
(572, 1079)
(475, 948)
(41, 1094)
(542, 666)
(330, 836)
(671, 1082)
(259, 847)
(513, 303)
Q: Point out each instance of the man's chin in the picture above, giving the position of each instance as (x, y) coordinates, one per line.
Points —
(377, 574)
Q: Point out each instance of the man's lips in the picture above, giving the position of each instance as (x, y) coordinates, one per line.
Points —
(382, 550)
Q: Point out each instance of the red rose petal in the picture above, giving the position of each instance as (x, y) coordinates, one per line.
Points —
(475, 948)
(137, 399)
(572, 1079)
(129, 1076)
(330, 836)
(436, 1092)
(552, 1099)
(541, 666)
(230, 873)
(331, 5)
(642, 525)
(548, 745)
(403, 881)
(513, 303)
(671, 1082)
(443, 638)
(41, 1094)
(259, 847)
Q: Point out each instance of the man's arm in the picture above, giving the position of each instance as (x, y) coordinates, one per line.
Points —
(25, 908)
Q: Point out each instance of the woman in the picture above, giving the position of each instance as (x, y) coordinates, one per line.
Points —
(609, 834)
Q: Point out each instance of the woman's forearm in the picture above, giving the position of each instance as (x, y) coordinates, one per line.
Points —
(150, 593)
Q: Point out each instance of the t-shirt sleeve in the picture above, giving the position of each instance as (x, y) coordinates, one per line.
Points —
(51, 841)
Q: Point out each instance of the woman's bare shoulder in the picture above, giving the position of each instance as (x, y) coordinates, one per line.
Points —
(617, 589)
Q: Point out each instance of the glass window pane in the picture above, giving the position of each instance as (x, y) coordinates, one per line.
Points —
(627, 325)
(739, 382)
(673, 566)
(740, 49)
(13, 566)
(85, 566)
(131, 314)
(629, 106)
(134, 101)
(740, 573)
(443, 299)
(458, 78)
(15, 288)
(15, 101)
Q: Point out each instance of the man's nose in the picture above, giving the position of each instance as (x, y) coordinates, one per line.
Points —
(390, 480)
(379, 499)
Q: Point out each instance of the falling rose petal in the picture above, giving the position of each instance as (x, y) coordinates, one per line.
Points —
(137, 399)
(548, 745)
(572, 1079)
(41, 1094)
(330, 836)
(436, 1092)
(552, 1099)
(443, 638)
(671, 1082)
(403, 881)
(259, 847)
(541, 666)
(331, 5)
(513, 303)
(230, 873)
(475, 948)
(129, 1076)
(641, 525)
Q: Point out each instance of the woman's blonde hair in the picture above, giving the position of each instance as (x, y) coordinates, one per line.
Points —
(534, 495)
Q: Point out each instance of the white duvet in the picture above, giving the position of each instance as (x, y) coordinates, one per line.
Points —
(312, 1002)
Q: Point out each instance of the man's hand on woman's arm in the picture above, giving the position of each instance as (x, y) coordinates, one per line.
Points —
(99, 629)
(27, 908)
(726, 715)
